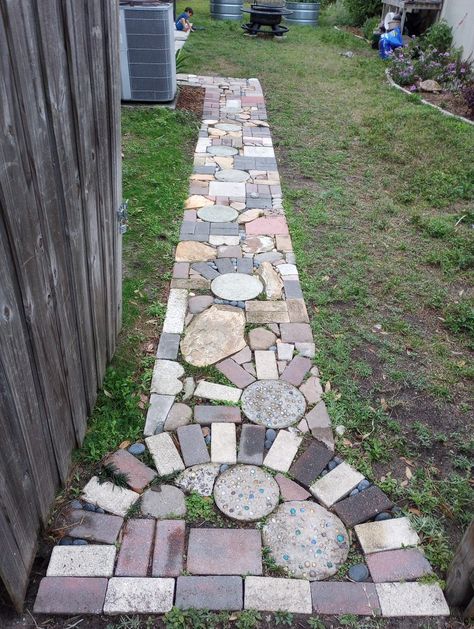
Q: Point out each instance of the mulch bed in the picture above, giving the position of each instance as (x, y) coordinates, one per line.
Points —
(191, 99)
(454, 103)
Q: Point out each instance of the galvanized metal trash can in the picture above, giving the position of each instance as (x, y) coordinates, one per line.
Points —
(304, 13)
(226, 9)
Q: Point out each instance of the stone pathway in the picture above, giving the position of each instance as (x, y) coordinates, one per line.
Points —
(262, 445)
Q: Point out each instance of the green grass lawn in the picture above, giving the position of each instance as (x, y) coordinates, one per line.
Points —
(378, 191)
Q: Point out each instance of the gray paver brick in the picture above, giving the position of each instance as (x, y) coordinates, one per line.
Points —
(251, 444)
(168, 346)
(192, 444)
(96, 527)
(336, 598)
(205, 270)
(224, 265)
(206, 415)
(212, 592)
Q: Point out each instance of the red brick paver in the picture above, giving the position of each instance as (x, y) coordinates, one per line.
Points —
(139, 475)
(70, 595)
(224, 551)
(135, 550)
(398, 565)
(345, 598)
(168, 556)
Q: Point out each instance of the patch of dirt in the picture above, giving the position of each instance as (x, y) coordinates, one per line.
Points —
(191, 99)
(453, 103)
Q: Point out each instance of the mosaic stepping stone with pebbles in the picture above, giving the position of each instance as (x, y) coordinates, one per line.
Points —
(217, 213)
(307, 540)
(273, 403)
(246, 493)
(236, 287)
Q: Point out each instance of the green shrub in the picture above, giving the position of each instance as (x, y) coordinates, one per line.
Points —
(370, 25)
(438, 36)
(360, 10)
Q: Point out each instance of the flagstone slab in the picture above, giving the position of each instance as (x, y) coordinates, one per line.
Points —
(165, 379)
(271, 594)
(218, 392)
(407, 564)
(258, 244)
(266, 312)
(110, 497)
(213, 335)
(176, 311)
(386, 535)
(70, 595)
(199, 479)
(312, 390)
(306, 540)
(163, 502)
(246, 493)
(273, 403)
(157, 413)
(168, 555)
(271, 280)
(192, 445)
(190, 251)
(213, 593)
(311, 463)
(207, 415)
(217, 213)
(337, 598)
(283, 451)
(363, 506)
(411, 599)
(244, 356)
(94, 527)
(223, 443)
(199, 303)
(82, 561)
(135, 595)
(224, 552)
(179, 415)
(337, 484)
(135, 548)
(165, 454)
(236, 287)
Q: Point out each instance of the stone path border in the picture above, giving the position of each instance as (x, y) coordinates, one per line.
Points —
(130, 550)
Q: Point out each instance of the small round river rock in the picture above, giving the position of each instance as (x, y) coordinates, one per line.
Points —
(246, 493)
(273, 403)
(306, 539)
(236, 286)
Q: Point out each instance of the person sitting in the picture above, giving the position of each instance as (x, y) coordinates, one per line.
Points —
(392, 38)
(182, 21)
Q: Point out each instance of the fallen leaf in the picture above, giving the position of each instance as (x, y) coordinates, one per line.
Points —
(107, 393)
(404, 483)
(124, 444)
(383, 404)
(408, 473)
(327, 387)
(346, 442)
(414, 511)
(407, 461)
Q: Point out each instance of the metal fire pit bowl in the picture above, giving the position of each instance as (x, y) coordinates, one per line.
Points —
(268, 13)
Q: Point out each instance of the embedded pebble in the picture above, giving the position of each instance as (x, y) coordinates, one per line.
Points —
(136, 449)
(75, 504)
(267, 444)
(331, 465)
(223, 468)
(382, 516)
(354, 492)
(358, 573)
(80, 542)
(65, 541)
(270, 435)
(88, 507)
(363, 485)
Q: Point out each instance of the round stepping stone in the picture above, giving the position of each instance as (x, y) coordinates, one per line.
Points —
(236, 287)
(223, 126)
(198, 478)
(163, 502)
(273, 403)
(246, 493)
(221, 150)
(217, 213)
(307, 540)
(232, 174)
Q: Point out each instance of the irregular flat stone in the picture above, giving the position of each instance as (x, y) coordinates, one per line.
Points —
(82, 561)
(116, 500)
(271, 280)
(213, 335)
(307, 350)
(135, 548)
(411, 599)
(223, 443)
(258, 244)
(200, 303)
(232, 174)
(191, 251)
(165, 380)
(290, 490)
(283, 451)
(266, 312)
(216, 239)
(163, 502)
(168, 556)
(260, 338)
(222, 150)
(70, 595)
(206, 415)
(219, 392)
(312, 390)
(165, 455)
(265, 364)
(168, 346)
(285, 352)
(407, 564)
(224, 265)
(192, 444)
(345, 598)
(363, 506)
(233, 551)
(311, 463)
(236, 287)
(212, 593)
(283, 243)
(250, 368)
(386, 535)
(133, 595)
(176, 311)
(251, 445)
(268, 256)
(338, 483)
(296, 333)
(179, 415)
(274, 403)
(229, 251)
(245, 265)
(160, 406)
(318, 417)
(272, 594)
(287, 269)
(95, 527)
(296, 370)
(246, 493)
(195, 201)
(306, 540)
(235, 373)
(244, 356)
(138, 474)
(217, 213)
(199, 479)
(249, 215)
(267, 226)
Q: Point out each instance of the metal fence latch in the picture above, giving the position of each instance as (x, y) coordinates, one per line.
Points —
(122, 214)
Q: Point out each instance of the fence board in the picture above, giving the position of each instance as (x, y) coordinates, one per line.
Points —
(60, 251)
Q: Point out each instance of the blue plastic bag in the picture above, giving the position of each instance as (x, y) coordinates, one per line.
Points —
(389, 41)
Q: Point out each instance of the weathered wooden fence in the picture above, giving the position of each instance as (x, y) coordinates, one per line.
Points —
(60, 250)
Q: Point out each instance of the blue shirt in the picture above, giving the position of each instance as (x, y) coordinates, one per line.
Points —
(179, 24)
